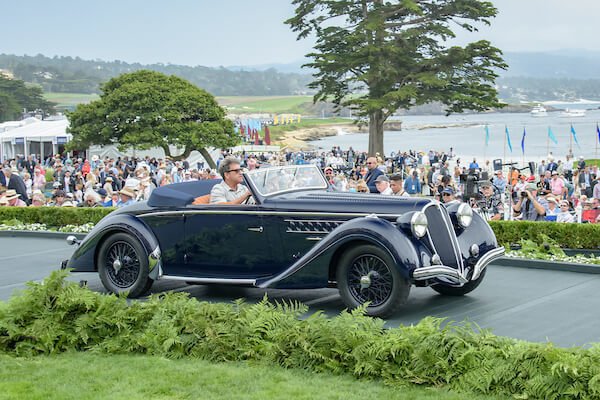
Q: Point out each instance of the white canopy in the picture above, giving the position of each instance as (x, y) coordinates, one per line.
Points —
(34, 137)
(38, 131)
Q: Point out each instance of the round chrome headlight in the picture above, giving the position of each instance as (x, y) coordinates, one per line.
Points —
(464, 215)
(418, 224)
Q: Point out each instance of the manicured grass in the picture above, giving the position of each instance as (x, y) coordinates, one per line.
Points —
(265, 104)
(70, 99)
(89, 376)
(278, 130)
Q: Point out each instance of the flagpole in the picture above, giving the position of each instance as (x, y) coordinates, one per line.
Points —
(597, 139)
(504, 156)
(548, 142)
(485, 143)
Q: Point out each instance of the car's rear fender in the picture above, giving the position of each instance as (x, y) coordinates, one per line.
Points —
(84, 258)
(314, 269)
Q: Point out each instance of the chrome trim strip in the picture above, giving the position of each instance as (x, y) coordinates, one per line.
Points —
(182, 212)
(487, 258)
(316, 239)
(451, 234)
(225, 281)
(439, 271)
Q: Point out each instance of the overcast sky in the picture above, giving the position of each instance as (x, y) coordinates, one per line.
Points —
(245, 32)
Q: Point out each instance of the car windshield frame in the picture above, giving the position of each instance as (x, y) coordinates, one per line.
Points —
(291, 174)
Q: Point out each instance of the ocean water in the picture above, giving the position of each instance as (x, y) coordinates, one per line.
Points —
(466, 135)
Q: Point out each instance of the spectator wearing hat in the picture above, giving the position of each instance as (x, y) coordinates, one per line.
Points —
(448, 195)
(412, 184)
(553, 207)
(529, 206)
(58, 198)
(39, 179)
(127, 197)
(489, 204)
(3, 201)
(382, 183)
(13, 199)
(108, 185)
(13, 181)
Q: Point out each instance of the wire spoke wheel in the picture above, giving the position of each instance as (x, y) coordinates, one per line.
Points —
(368, 274)
(370, 280)
(122, 264)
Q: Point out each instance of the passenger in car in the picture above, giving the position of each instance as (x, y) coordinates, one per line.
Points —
(231, 190)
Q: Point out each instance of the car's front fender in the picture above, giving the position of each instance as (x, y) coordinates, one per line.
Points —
(84, 258)
(312, 269)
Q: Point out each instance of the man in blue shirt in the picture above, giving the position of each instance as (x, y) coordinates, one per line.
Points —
(474, 164)
(412, 184)
(127, 197)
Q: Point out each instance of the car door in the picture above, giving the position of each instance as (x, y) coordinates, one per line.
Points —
(225, 242)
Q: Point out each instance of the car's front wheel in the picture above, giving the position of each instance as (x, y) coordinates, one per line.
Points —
(367, 274)
(123, 265)
(459, 291)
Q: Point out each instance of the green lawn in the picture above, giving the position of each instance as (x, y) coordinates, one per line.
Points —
(88, 376)
(70, 99)
(265, 104)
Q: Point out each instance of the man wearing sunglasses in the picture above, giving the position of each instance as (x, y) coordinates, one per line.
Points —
(231, 190)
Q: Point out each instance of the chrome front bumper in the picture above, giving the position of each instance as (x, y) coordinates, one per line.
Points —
(442, 271)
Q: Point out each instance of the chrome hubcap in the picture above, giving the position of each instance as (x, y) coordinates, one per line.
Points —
(365, 281)
(117, 265)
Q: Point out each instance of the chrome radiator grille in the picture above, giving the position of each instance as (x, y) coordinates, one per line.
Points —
(441, 236)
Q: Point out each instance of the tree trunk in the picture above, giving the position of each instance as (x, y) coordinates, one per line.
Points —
(376, 120)
(207, 157)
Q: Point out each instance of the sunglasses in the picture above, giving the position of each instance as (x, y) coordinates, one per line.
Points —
(446, 194)
(235, 170)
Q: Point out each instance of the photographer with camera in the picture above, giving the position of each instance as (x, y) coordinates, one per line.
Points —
(489, 203)
(529, 206)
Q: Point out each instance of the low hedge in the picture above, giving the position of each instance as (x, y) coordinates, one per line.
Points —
(569, 236)
(572, 236)
(58, 316)
(54, 216)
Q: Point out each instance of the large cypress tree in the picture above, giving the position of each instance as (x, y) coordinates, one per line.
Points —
(379, 56)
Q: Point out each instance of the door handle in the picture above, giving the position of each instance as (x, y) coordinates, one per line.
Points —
(259, 229)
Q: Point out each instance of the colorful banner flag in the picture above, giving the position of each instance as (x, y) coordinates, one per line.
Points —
(523, 141)
(267, 136)
(551, 136)
(574, 135)
(487, 135)
(598, 131)
(508, 138)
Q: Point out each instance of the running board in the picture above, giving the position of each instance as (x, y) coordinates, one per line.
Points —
(221, 281)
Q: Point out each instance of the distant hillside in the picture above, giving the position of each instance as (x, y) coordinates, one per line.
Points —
(559, 75)
(75, 75)
(570, 64)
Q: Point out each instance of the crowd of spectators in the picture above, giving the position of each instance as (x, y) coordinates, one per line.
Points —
(551, 190)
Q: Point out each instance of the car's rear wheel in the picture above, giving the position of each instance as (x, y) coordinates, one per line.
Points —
(367, 274)
(459, 291)
(123, 265)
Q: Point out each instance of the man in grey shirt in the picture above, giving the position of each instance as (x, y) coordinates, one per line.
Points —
(231, 190)
(531, 207)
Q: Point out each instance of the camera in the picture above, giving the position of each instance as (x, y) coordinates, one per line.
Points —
(523, 194)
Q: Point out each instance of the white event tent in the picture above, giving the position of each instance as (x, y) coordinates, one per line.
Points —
(44, 137)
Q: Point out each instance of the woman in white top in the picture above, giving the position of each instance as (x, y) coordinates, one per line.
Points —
(564, 215)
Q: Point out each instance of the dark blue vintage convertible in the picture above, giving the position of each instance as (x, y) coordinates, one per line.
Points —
(298, 234)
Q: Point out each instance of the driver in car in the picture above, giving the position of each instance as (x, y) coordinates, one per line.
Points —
(231, 190)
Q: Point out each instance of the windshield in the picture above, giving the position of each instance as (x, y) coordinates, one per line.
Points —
(269, 181)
